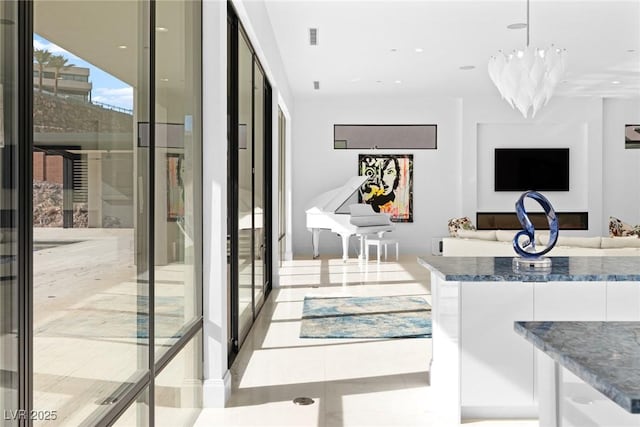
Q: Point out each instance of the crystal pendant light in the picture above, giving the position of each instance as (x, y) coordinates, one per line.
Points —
(526, 78)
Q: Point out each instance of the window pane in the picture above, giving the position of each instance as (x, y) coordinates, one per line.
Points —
(258, 186)
(137, 415)
(90, 204)
(245, 185)
(178, 174)
(385, 136)
(178, 399)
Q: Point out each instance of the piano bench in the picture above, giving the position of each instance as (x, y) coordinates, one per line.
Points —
(378, 242)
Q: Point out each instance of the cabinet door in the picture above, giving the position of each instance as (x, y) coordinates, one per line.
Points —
(623, 300)
(496, 363)
(570, 301)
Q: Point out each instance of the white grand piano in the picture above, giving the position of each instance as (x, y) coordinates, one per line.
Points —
(331, 211)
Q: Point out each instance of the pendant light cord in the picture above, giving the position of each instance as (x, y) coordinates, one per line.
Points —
(527, 23)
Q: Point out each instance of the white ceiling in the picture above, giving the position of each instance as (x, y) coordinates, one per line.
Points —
(356, 38)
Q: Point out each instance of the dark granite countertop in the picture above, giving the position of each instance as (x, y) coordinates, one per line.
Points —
(499, 269)
(606, 355)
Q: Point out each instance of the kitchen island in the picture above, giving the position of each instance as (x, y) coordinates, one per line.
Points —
(591, 372)
(480, 367)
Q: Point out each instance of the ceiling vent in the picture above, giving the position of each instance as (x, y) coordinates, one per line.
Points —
(313, 36)
(316, 85)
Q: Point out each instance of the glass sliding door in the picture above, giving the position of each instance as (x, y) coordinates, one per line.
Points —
(249, 106)
(91, 205)
(259, 235)
(282, 200)
(100, 212)
(245, 187)
(9, 141)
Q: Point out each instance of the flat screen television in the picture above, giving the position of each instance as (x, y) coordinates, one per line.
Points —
(541, 169)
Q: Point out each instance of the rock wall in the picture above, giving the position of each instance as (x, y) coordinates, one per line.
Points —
(53, 114)
(47, 206)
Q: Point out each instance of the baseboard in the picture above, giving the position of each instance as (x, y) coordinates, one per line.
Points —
(498, 412)
(216, 392)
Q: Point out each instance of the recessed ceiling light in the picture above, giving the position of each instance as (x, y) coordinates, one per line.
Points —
(467, 67)
(615, 82)
(419, 50)
(122, 46)
(162, 29)
(398, 81)
(517, 26)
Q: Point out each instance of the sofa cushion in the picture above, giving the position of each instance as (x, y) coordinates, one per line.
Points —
(475, 234)
(620, 242)
(618, 228)
(505, 235)
(578, 242)
(456, 224)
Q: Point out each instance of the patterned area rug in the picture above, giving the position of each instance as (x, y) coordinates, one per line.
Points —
(366, 317)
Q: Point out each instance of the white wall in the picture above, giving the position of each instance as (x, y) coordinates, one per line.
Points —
(621, 166)
(536, 135)
(489, 122)
(457, 178)
(317, 167)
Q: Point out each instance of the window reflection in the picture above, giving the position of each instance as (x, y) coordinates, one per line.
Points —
(90, 305)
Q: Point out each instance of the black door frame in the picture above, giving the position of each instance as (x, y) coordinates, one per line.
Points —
(233, 188)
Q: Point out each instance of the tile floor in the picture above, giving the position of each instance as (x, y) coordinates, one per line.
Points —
(354, 382)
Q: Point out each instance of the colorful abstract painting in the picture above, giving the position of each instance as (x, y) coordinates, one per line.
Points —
(389, 185)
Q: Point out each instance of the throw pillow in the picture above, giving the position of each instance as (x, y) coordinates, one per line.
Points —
(456, 224)
(618, 228)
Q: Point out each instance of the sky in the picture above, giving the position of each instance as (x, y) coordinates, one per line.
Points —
(106, 88)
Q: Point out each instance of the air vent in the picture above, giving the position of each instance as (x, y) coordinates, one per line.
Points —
(313, 36)
(316, 85)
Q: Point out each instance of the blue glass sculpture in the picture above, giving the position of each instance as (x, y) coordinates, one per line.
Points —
(527, 249)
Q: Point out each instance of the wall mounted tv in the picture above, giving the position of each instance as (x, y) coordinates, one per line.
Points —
(542, 169)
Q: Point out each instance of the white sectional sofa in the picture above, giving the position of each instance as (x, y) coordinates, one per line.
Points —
(499, 243)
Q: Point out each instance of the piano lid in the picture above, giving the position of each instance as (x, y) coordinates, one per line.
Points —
(334, 200)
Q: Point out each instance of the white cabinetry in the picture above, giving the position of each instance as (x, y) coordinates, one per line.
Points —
(487, 339)
(623, 300)
(481, 368)
(570, 301)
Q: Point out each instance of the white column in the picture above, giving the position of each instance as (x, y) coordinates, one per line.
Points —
(217, 379)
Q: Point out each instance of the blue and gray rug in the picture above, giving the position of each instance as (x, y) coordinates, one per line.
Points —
(366, 317)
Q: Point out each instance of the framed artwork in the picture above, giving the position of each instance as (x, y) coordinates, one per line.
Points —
(632, 136)
(389, 185)
(175, 187)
